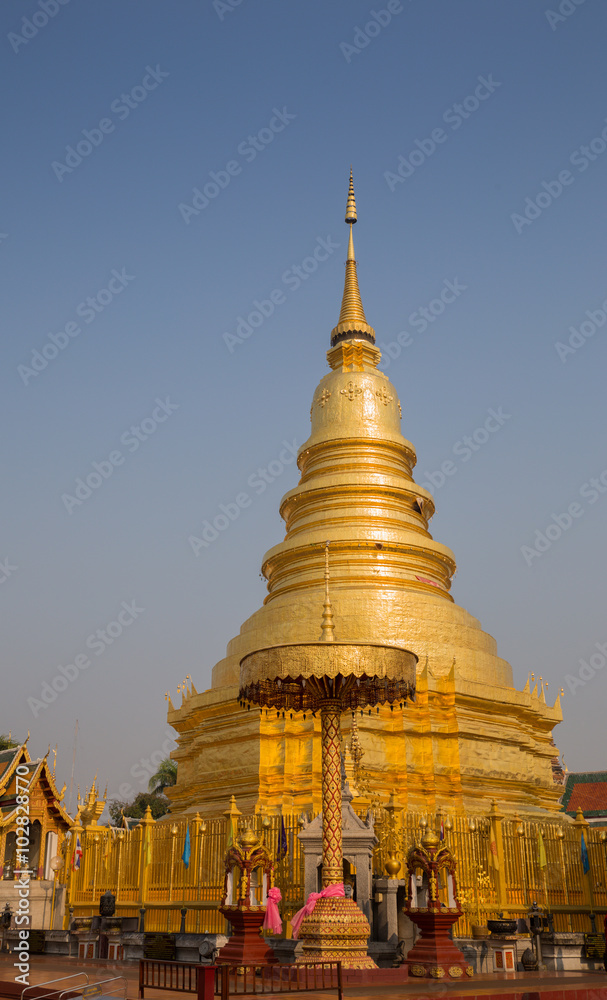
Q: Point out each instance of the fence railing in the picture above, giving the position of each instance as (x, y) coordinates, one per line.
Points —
(499, 866)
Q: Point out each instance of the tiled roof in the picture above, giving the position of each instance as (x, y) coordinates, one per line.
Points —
(586, 790)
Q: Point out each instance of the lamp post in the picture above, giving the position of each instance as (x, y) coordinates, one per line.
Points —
(55, 864)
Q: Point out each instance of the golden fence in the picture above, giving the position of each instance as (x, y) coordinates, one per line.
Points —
(498, 867)
(143, 867)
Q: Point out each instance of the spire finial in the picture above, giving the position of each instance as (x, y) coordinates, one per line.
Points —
(351, 204)
(327, 634)
(352, 323)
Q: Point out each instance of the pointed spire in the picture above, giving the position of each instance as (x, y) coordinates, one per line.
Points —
(327, 634)
(352, 323)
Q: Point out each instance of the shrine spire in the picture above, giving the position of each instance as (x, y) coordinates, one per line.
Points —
(352, 323)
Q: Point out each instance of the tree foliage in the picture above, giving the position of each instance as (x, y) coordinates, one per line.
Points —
(159, 805)
(165, 776)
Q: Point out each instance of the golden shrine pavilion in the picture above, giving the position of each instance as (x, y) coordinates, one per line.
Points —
(471, 736)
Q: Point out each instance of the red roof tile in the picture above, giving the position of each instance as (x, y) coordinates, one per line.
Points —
(590, 795)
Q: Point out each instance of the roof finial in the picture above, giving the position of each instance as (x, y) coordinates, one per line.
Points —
(351, 204)
(327, 614)
(352, 323)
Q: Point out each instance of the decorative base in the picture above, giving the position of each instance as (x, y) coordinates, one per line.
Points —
(246, 946)
(434, 953)
(337, 931)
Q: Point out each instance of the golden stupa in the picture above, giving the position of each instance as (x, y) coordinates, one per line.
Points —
(470, 736)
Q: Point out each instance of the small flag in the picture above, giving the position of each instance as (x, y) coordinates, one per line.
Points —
(77, 855)
(147, 849)
(187, 850)
(283, 846)
(442, 830)
(493, 858)
(541, 851)
(585, 859)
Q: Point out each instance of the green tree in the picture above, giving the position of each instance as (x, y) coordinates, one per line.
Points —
(165, 776)
(158, 804)
(7, 742)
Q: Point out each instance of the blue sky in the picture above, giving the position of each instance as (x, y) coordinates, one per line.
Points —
(495, 101)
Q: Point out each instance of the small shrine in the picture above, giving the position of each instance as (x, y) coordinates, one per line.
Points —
(432, 904)
(249, 872)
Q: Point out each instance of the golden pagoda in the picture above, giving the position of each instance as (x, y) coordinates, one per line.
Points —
(471, 736)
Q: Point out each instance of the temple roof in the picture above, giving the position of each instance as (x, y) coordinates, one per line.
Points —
(38, 774)
(586, 790)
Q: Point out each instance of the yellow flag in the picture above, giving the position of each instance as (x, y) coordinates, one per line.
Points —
(541, 851)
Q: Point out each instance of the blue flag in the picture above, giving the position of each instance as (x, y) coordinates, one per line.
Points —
(283, 847)
(585, 859)
(187, 850)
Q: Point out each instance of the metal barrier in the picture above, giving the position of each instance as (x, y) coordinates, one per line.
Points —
(74, 990)
(252, 980)
(243, 980)
(181, 977)
(99, 989)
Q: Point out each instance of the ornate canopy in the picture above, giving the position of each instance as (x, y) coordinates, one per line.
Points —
(300, 676)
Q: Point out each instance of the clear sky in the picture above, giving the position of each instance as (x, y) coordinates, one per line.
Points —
(124, 290)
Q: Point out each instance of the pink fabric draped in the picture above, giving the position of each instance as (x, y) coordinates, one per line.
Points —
(330, 891)
(272, 921)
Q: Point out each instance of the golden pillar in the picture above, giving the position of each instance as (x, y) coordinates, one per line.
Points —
(582, 831)
(145, 854)
(332, 857)
(496, 849)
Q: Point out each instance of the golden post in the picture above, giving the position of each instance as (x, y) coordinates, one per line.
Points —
(520, 829)
(145, 854)
(496, 854)
(582, 829)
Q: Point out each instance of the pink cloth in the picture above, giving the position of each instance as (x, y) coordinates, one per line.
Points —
(330, 891)
(272, 921)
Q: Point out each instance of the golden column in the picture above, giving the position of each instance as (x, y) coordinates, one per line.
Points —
(332, 858)
(330, 712)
